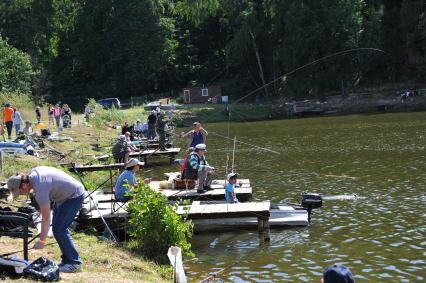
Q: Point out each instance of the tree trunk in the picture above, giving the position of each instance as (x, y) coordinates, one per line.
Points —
(259, 63)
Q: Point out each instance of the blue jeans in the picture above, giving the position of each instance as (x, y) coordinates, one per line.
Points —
(63, 216)
(17, 128)
(58, 121)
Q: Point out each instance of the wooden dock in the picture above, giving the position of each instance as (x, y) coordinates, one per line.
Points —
(96, 167)
(169, 152)
(145, 154)
(118, 218)
(260, 210)
(243, 191)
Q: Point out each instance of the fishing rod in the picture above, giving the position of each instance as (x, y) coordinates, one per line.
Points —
(344, 52)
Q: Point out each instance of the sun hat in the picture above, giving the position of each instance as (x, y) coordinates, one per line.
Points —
(231, 175)
(134, 161)
(338, 274)
(201, 146)
(13, 184)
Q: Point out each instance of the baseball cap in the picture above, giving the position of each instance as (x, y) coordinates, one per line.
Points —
(13, 184)
(231, 175)
(201, 146)
(122, 137)
(338, 274)
(134, 161)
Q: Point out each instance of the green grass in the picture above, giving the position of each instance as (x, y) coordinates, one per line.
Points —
(103, 261)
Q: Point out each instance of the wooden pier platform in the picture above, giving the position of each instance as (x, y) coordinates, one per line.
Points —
(96, 167)
(259, 210)
(243, 191)
(169, 152)
(145, 154)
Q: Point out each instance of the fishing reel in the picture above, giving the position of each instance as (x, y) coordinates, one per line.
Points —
(311, 201)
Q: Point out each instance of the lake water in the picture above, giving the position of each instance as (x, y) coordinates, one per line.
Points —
(380, 236)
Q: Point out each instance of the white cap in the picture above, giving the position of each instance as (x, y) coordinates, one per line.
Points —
(134, 161)
(231, 175)
(122, 137)
(201, 146)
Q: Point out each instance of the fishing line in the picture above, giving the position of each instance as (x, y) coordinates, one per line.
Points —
(307, 65)
(254, 146)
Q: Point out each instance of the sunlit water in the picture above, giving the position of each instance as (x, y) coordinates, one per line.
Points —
(380, 236)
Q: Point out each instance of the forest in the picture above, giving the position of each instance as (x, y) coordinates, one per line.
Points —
(72, 50)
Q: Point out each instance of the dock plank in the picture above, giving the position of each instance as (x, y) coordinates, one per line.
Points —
(211, 211)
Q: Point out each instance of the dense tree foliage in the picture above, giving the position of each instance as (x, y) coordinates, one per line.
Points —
(15, 69)
(92, 48)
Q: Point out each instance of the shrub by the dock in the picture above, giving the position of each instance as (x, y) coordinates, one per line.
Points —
(155, 225)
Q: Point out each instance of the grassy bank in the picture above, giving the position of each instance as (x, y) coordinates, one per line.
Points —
(103, 262)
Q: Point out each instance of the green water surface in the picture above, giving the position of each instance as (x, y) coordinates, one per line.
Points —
(380, 236)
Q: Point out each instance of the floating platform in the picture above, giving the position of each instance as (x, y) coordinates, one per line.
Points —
(217, 192)
(280, 216)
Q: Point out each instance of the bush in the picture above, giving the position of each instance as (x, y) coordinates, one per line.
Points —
(16, 99)
(16, 72)
(102, 116)
(155, 226)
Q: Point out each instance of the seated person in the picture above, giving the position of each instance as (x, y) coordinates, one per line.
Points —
(230, 195)
(126, 128)
(120, 150)
(138, 127)
(198, 168)
(145, 130)
(127, 180)
(184, 161)
(29, 134)
(131, 146)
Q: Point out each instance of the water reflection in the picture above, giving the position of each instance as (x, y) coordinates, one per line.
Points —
(380, 237)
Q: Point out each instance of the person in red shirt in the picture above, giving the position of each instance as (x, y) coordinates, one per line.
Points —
(8, 119)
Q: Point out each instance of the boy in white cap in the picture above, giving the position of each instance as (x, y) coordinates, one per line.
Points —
(53, 185)
(127, 180)
(230, 195)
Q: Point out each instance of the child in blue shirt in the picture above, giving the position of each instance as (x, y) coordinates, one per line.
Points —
(230, 195)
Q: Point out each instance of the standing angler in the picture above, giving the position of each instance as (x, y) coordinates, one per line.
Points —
(195, 136)
(51, 185)
(161, 131)
(152, 119)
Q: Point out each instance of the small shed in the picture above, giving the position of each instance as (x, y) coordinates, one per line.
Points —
(202, 94)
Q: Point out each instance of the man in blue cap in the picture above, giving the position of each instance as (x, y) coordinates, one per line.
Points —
(338, 274)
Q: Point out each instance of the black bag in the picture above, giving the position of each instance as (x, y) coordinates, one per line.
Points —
(42, 269)
(45, 133)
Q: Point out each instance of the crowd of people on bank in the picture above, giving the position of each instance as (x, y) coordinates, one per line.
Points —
(12, 119)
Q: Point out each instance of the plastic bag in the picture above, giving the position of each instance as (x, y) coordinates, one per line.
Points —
(175, 257)
(42, 269)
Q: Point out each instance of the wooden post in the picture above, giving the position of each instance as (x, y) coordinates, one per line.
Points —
(266, 230)
(260, 225)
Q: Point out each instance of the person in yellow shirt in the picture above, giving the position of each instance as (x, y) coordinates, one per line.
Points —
(8, 119)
